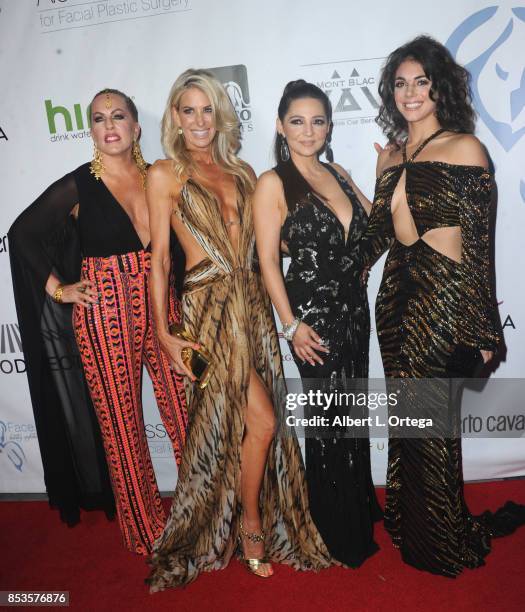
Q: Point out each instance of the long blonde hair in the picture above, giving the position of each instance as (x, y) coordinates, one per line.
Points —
(227, 138)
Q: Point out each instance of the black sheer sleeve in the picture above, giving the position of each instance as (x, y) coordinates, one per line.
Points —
(43, 239)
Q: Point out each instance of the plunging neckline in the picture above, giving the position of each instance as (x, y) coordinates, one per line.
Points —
(338, 179)
(218, 202)
(125, 212)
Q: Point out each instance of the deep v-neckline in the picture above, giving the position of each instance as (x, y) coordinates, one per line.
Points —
(218, 202)
(126, 214)
(338, 179)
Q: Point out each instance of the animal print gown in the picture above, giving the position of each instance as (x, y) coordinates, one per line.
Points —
(225, 307)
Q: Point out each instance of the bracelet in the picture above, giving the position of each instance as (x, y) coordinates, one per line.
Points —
(57, 296)
(290, 329)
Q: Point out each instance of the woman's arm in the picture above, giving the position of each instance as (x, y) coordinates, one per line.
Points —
(162, 190)
(268, 212)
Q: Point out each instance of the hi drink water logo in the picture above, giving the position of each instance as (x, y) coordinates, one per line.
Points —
(67, 123)
(498, 73)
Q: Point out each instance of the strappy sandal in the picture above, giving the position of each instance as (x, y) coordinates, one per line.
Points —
(252, 565)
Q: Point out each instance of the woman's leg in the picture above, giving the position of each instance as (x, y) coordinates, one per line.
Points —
(259, 433)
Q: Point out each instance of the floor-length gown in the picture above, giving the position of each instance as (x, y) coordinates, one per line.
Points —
(225, 307)
(325, 292)
(429, 310)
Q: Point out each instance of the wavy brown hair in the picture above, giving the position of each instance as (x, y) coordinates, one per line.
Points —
(450, 88)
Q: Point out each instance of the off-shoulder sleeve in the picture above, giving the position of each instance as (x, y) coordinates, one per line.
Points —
(480, 327)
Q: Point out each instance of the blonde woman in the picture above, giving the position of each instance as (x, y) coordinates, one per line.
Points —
(203, 192)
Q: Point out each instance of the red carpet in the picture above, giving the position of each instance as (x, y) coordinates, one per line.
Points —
(39, 553)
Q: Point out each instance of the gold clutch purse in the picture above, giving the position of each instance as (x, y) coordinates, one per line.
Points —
(199, 361)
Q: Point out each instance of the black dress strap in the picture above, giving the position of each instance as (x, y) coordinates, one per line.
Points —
(421, 146)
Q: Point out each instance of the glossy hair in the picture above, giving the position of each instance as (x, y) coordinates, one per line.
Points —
(298, 90)
(129, 102)
(227, 138)
(450, 88)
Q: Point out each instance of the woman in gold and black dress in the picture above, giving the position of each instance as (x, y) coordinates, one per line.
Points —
(435, 314)
(239, 486)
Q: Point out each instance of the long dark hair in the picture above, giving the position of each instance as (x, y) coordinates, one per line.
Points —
(450, 88)
(129, 102)
(295, 186)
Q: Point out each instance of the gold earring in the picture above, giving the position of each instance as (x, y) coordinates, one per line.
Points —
(140, 161)
(96, 167)
(179, 131)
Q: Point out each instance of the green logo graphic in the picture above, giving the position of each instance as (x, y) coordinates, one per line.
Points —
(53, 112)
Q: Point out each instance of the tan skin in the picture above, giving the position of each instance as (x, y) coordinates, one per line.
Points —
(412, 97)
(113, 130)
(195, 116)
(305, 127)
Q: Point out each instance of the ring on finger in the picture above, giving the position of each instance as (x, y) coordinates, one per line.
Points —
(81, 288)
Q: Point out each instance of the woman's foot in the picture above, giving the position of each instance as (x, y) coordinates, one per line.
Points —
(251, 538)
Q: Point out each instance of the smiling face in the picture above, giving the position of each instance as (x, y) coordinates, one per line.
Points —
(113, 127)
(412, 92)
(305, 127)
(196, 118)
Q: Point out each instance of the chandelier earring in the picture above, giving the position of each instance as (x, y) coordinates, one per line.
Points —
(96, 167)
(284, 149)
(140, 161)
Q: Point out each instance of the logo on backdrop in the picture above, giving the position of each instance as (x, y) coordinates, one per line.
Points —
(498, 72)
(11, 436)
(10, 345)
(3, 135)
(158, 441)
(3, 244)
(67, 123)
(351, 86)
(235, 81)
(58, 15)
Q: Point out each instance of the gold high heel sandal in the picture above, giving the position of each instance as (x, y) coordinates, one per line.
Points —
(252, 565)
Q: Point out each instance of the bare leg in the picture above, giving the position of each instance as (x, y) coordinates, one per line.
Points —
(259, 432)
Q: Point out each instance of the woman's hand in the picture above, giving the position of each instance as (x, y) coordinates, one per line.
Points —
(305, 344)
(81, 293)
(487, 355)
(173, 347)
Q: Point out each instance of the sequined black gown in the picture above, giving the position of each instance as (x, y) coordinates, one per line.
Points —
(429, 309)
(324, 291)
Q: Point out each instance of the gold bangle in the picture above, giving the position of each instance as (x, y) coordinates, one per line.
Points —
(57, 296)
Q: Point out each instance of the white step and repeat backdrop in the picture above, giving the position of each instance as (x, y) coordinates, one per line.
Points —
(54, 54)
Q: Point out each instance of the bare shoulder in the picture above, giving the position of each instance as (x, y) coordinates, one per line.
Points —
(269, 181)
(467, 150)
(341, 171)
(161, 177)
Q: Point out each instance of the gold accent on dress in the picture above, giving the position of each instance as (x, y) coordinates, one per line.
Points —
(227, 309)
(428, 306)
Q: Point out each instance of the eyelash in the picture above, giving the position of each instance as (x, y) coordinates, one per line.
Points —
(300, 122)
(188, 111)
(99, 118)
(420, 83)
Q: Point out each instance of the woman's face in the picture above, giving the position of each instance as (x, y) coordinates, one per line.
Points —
(305, 126)
(113, 127)
(196, 118)
(412, 92)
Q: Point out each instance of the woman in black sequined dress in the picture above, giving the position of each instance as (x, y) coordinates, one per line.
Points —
(315, 213)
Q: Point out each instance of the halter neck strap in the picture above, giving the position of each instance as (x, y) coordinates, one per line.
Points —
(421, 146)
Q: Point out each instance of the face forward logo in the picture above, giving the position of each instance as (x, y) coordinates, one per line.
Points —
(235, 81)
